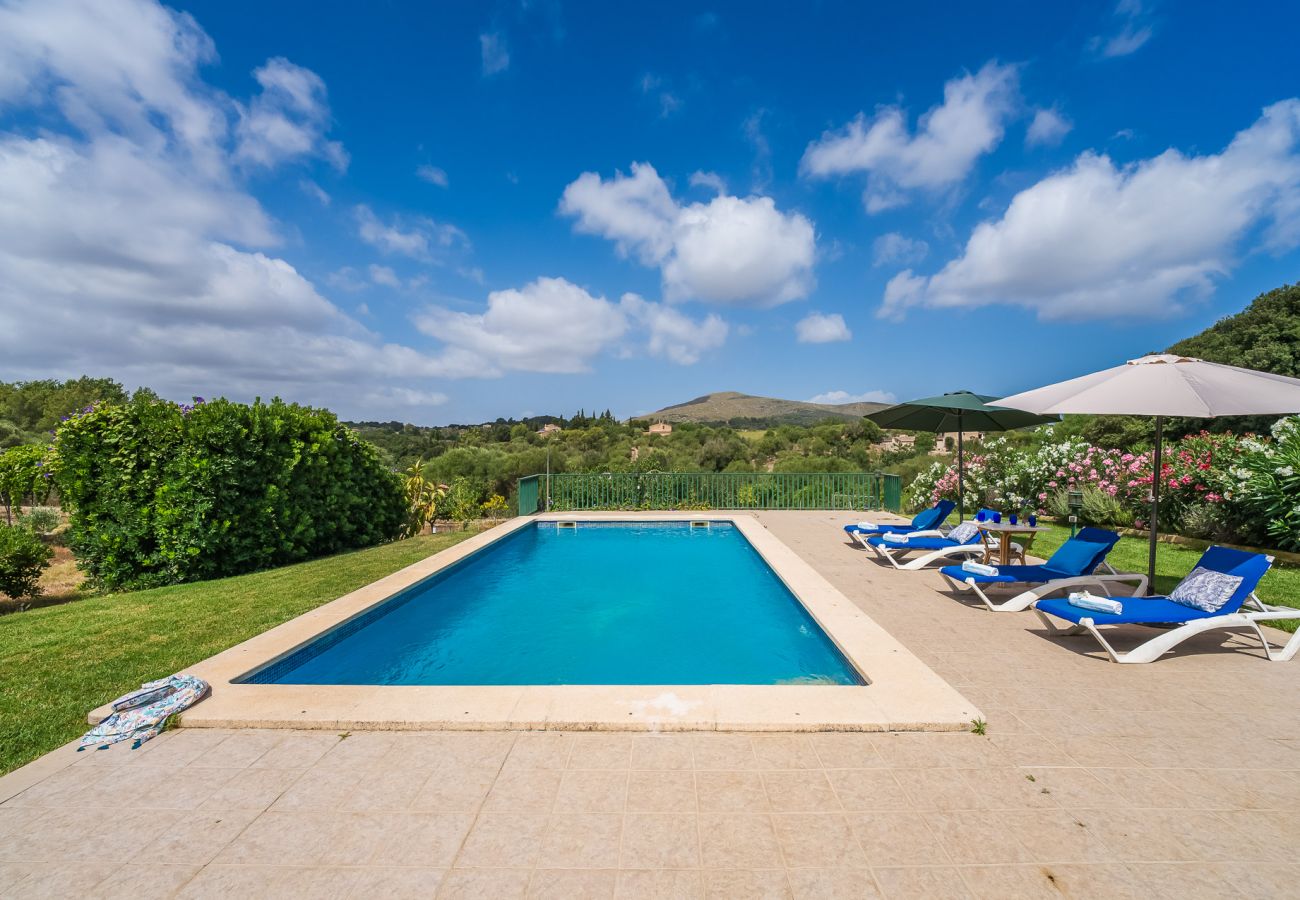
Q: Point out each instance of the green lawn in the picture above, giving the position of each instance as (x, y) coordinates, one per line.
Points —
(1281, 586)
(57, 663)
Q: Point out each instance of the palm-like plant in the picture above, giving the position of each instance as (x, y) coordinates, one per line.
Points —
(422, 499)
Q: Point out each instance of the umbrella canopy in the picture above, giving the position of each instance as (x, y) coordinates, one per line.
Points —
(1165, 385)
(959, 411)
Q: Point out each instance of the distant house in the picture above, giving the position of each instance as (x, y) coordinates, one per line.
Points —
(549, 429)
(660, 428)
(898, 442)
(947, 441)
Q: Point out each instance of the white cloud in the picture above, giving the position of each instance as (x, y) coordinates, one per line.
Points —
(287, 120)
(1048, 128)
(656, 87)
(671, 334)
(836, 398)
(384, 275)
(729, 250)
(819, 328)
(315, 191)
(431, 174)
(897, 249)
(126, 230)
(1101, 240)
(495, 53)
(549, 325)
(419, 238)
(949, 138)
(709, 181)
(345, 278)
(1134, 31)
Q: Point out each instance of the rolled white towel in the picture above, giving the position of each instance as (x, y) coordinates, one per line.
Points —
(896, 538)
(1085, 600)
(978, 568)
(868, 526)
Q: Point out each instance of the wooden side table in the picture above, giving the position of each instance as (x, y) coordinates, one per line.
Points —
(1004, 531)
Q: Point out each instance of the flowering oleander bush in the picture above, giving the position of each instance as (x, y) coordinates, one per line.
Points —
(160, 493)
(1196, 480)
(1263, 490)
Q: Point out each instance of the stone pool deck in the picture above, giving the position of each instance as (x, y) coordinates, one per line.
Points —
(1175, 779)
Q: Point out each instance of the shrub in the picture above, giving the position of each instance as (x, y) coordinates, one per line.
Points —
(160, 493)
(462, 501)
(23, 557)
(1264, 490)
(496, 506)
(40, 519)
(22, 475)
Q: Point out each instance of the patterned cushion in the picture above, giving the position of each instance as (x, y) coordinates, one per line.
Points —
(1205, 589)
(963, 532)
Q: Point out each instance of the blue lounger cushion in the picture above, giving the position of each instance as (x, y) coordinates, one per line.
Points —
(1137, 611)
(1077, 556)
(922, 521)
(1250, 567)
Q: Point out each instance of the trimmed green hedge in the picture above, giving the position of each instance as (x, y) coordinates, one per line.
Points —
(161, 493)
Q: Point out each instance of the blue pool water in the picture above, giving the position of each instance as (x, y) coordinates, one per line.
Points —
(607, 603)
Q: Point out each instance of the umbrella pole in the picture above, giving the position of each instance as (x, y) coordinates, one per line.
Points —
(961, 478)
(1156, 466)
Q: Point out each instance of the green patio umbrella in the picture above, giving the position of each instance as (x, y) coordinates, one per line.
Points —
(958, 411)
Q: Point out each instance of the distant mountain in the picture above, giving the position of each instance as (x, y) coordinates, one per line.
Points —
(731, 408)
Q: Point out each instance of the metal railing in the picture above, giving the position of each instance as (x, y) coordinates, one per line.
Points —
(709, 490)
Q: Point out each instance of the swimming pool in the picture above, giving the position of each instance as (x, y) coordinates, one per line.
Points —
(598, 603)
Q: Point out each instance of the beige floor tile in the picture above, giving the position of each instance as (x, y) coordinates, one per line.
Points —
(833, 884)
(596, 750)
(846, 750)
(936, 788)
(739, 841)
(195, 839)
(573, 884)
(868, 789)
(252, 789)
(923, 883)
(126, 884)
(747, 884)
(785, 751)
(723, 751)
(386, 789)
(454, 790)
(800, 791)
(421, 839)
(660, 840)
(660, 884)
(297, 749)
(661, 791)
(731, 792)
(240, 749)
(661, 751)
(975, 837)
(582, 841)
(523, 790)
(503, 840)
(1057, 836)
(896, 838)
(1262, 879)
(1021, 882)
(397, 882)
(540, 750)
(1147, 835)
(817, 840)
(55, 879)
(485, 884)
(317, 789)
(1007, 788)
(593, 790)
(1182, 881)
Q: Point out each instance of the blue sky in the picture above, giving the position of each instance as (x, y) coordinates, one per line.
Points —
(454, 212)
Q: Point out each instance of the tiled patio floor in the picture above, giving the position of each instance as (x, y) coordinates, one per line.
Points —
(1179, 779)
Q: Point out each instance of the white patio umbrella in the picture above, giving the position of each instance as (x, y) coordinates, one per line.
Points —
(1165, 385)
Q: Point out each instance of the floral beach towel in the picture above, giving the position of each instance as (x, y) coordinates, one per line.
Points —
(140, 714)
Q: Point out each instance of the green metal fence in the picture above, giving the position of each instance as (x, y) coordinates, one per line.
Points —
(528, 495)
(710, 490)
